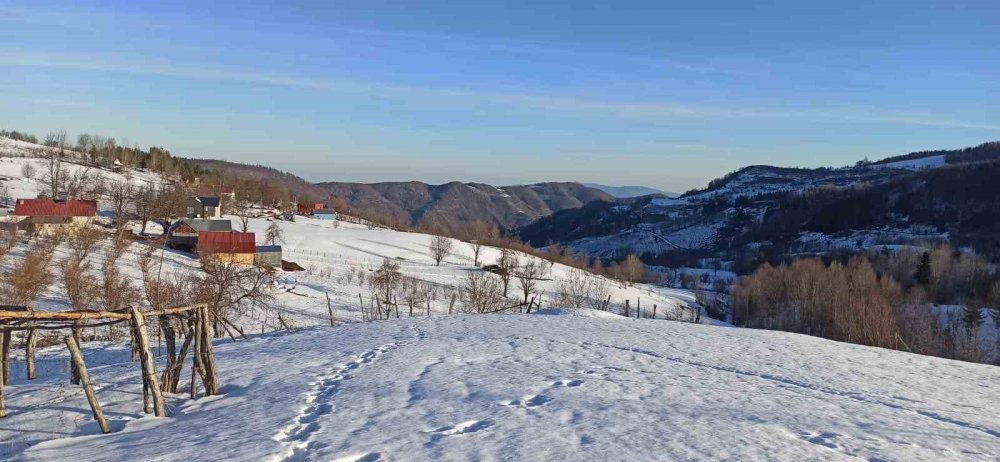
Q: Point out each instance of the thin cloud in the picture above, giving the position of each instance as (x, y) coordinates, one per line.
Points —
(651, 112)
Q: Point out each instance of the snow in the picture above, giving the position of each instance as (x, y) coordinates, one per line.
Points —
(578, 312)
(922, 163)
(525, 387)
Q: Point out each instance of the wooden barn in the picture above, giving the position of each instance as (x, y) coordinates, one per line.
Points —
(183, 235)
(47, 217)
(231, 247)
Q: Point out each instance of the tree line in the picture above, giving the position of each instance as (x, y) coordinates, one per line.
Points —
(928, 302)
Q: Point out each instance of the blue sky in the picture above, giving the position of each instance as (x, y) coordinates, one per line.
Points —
(664, 94)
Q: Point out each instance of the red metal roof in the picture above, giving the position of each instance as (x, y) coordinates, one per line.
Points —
(226, 242)
(51, 208)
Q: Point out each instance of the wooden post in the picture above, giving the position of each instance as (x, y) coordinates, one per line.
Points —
(148, 366)
(627, 310)
(452, 304)
(88, 387)
(638, 308)
(654, 311)
(29, 353)
(329, 308)
(5, 356)
(3, 377)
(74, 375)
(196, 368)
(208, 356)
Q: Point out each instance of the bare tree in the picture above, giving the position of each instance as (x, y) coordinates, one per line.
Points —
(79, 184)
(121, 197)
(440, 248)
(506, 264)
(481, 293)
(242, 207)
(384, 282)
(527, 277)
(479, 234)
(574, 291)
(5, 197)
(28, 170)
(146, 200)
(53, 176)
(231, 288)
(633, 270)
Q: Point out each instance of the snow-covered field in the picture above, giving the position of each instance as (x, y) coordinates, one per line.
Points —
(526, 387)
(557, 385)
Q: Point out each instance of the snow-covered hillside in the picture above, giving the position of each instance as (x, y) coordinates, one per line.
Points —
(526, 387)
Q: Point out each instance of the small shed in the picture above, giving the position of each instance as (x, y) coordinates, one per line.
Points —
(269, 255)
(325, 214)
(231, 247)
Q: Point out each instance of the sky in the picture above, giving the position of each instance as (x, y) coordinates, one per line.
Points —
(657, 93)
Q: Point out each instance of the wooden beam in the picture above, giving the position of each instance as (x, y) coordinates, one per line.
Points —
(81, 315)
(88, 387)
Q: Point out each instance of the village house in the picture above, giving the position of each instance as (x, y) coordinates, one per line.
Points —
(183, 235)
(47, 217)
(230, 247)
(205, 207)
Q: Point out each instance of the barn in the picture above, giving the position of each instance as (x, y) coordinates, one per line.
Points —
(230, 247)
(46, 216)
(183, 235)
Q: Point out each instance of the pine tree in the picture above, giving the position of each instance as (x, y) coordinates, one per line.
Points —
(923, 274)
(973, 317)
(274, 234)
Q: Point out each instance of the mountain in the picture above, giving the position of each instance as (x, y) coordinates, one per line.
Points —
(453, 205)
(294, 184)
(770, 212)
(449, 206)
(623, 192)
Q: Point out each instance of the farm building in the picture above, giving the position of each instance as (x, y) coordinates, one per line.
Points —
(46, 216)
(183, 235)
(325, 214)
(269, 255)
(206, 207)
(231, 247)
(308, 209)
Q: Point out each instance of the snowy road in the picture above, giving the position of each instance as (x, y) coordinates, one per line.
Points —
(534, 387)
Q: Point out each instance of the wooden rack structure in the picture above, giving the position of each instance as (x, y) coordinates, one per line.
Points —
(196, 319)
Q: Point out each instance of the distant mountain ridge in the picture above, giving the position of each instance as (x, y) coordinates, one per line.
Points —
(770, 212)
(624, 192)
(449, 207)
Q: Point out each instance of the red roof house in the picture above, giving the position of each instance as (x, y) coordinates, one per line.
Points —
(51, 208)
(228, 245)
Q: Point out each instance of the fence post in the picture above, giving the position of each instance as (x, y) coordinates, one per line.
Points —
(88, 387)
(148, 366)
